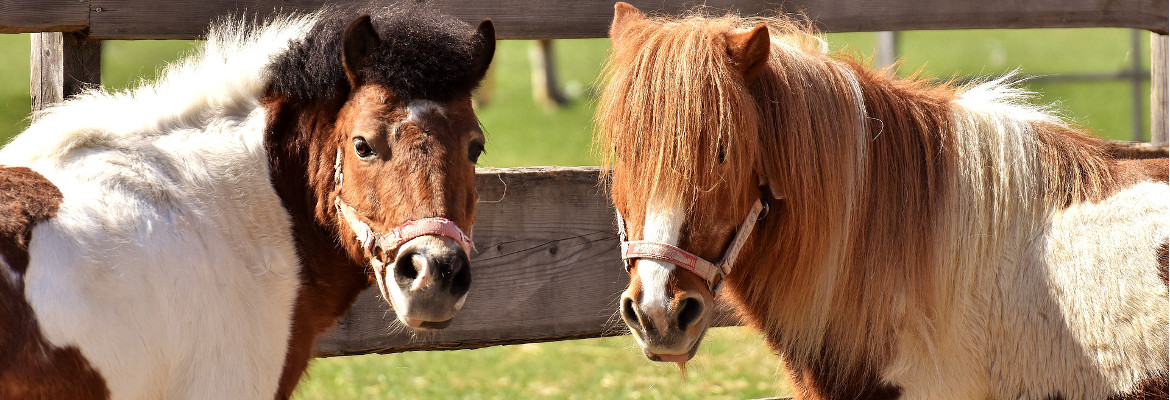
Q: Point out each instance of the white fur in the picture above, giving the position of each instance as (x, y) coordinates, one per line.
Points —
(1034, 301)
(170, 263)
(416, 109)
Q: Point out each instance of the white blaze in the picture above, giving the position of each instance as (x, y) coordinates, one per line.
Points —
(662, 226)
(416, 109)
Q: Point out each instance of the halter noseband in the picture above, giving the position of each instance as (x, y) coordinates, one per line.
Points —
(401, 234)
(713, 273)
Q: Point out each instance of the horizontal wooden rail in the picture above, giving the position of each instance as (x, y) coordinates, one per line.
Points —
(557, 19)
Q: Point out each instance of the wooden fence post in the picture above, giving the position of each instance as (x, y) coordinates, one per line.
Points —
(63, 64)
(546, 89)
(1159, 125)
(887, 51)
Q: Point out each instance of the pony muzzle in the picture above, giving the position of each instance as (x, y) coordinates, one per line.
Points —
(427, 281)
(671, 333)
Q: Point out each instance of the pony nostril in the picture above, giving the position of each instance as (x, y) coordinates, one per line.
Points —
(405, 268)
(461, 283)
(689, 312)
(629, 313)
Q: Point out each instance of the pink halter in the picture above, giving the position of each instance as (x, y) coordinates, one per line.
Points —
(713, 273)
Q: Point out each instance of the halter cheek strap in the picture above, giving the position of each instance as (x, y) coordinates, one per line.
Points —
(713, 273)
(390, 241)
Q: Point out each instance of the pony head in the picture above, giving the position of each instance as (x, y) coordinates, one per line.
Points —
(678, 125)
(404, 194)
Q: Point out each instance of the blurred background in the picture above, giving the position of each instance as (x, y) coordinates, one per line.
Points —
(1096, 78)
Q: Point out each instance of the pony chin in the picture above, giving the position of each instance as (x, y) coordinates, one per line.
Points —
(677, 358)
(427, 282)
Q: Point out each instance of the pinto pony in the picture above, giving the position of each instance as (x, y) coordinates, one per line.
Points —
(190, 239)
(890, 238)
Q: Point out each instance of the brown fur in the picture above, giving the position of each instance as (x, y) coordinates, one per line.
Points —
(1163, 260)
(859, 194)
(26, 198)
(1082, 169)
(429, 175)
(1155, 388)
(31, 367)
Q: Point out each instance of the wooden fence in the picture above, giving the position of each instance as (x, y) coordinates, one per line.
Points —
(547, 267)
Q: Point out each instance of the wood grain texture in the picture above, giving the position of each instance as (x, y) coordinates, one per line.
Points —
(24, 16)
(556, 19)
(547, 268)
(1159, 91)
(63, 64)
(1138, 150)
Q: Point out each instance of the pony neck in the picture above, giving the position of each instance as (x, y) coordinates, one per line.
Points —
(302, 147)
(891, 185)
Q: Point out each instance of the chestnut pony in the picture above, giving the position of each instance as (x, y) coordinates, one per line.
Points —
(889, 237)
(191, 238)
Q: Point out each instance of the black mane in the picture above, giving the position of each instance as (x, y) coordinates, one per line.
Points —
(422, 55)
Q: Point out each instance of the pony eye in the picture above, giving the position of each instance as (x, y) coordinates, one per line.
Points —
(362, 148)
(474, 151)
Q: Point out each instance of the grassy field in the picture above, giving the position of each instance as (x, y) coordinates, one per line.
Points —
(733, 362)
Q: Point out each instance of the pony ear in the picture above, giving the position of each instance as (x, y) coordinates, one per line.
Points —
(623, 14)
(749, 51)
(484, 40)
(358, 41)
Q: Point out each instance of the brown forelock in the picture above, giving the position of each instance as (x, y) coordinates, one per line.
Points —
(31, 367)
(303, 140)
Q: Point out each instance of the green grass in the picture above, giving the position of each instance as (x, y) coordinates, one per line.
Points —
(608, 368)
(733, 362)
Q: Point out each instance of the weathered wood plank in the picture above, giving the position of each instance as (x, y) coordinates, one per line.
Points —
(1138, 150)
(23, 16)
(547, 268)
(1159, 91)
(63, 64)
(555, 19)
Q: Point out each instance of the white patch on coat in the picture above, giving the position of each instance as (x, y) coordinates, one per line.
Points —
(170, 263)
